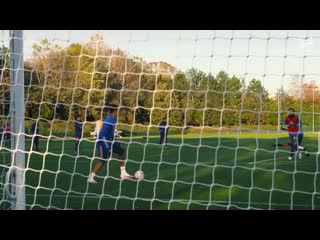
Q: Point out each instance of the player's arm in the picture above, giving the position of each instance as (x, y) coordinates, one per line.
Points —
(286, 124)
(289, 124)
(299, 123)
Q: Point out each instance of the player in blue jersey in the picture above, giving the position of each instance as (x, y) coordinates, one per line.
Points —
(164, 129)
(78, 131)
(35, 131)
(106, 143)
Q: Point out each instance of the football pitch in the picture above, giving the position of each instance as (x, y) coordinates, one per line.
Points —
(195, 172)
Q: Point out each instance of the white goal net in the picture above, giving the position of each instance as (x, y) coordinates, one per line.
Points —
(201, 113)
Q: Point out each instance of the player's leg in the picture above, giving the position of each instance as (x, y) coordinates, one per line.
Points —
(76, 145)
(78, 137)
(7, 139)
(300, 138)
(36, 142)
(33, 142)
(166, 140)
(161, 138)
(103, 153)
(293, 145)
(300, 147)
(116, 148)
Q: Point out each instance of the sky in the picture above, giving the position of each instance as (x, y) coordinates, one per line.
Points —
(273, 57)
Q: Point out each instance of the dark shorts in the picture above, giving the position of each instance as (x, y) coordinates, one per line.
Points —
(105, 148)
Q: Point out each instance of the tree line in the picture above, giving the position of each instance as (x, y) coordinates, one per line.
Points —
(82, 79)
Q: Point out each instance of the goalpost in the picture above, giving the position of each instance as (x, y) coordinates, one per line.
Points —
(224, 95)
(12, 118)
(17, 108)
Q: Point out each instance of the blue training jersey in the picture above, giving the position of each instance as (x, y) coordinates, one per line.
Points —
(108, 128)
(78, 128)
(163, 127)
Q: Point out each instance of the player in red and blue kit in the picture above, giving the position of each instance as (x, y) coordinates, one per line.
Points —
(301, 149)
(294, 128)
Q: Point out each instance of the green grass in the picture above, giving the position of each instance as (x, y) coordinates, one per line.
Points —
(208, 171)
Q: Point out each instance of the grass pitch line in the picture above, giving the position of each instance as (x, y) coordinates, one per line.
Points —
(186, 201)
(266, 160)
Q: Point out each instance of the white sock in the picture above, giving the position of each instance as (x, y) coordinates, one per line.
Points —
(91, 177)
(123, 170)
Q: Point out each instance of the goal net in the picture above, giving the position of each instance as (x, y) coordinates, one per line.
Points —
(224, 96)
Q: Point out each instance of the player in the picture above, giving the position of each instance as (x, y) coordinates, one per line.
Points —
(164, 129)
(106, 143)
(293, 123)
(301, 149)
(35, 131)
(7, 135)
(78, 125)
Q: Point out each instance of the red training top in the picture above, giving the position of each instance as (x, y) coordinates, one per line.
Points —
(293, 122)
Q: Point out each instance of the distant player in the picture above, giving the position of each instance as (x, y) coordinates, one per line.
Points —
(7, 135)
(301, 149)
(293, 123)
(78, 125)
(164, 129)
(35, 131)
(107, 143)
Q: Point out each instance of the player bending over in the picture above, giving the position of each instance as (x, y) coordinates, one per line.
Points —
(294, 125)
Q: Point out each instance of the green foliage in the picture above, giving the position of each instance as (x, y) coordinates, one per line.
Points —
(83, 78)
(4, 60)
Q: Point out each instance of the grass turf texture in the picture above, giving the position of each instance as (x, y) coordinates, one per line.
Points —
(208, 171)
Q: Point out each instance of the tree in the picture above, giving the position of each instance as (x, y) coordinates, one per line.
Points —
(253, 101)
(5, 81)
(311, 93)
(295, 86)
